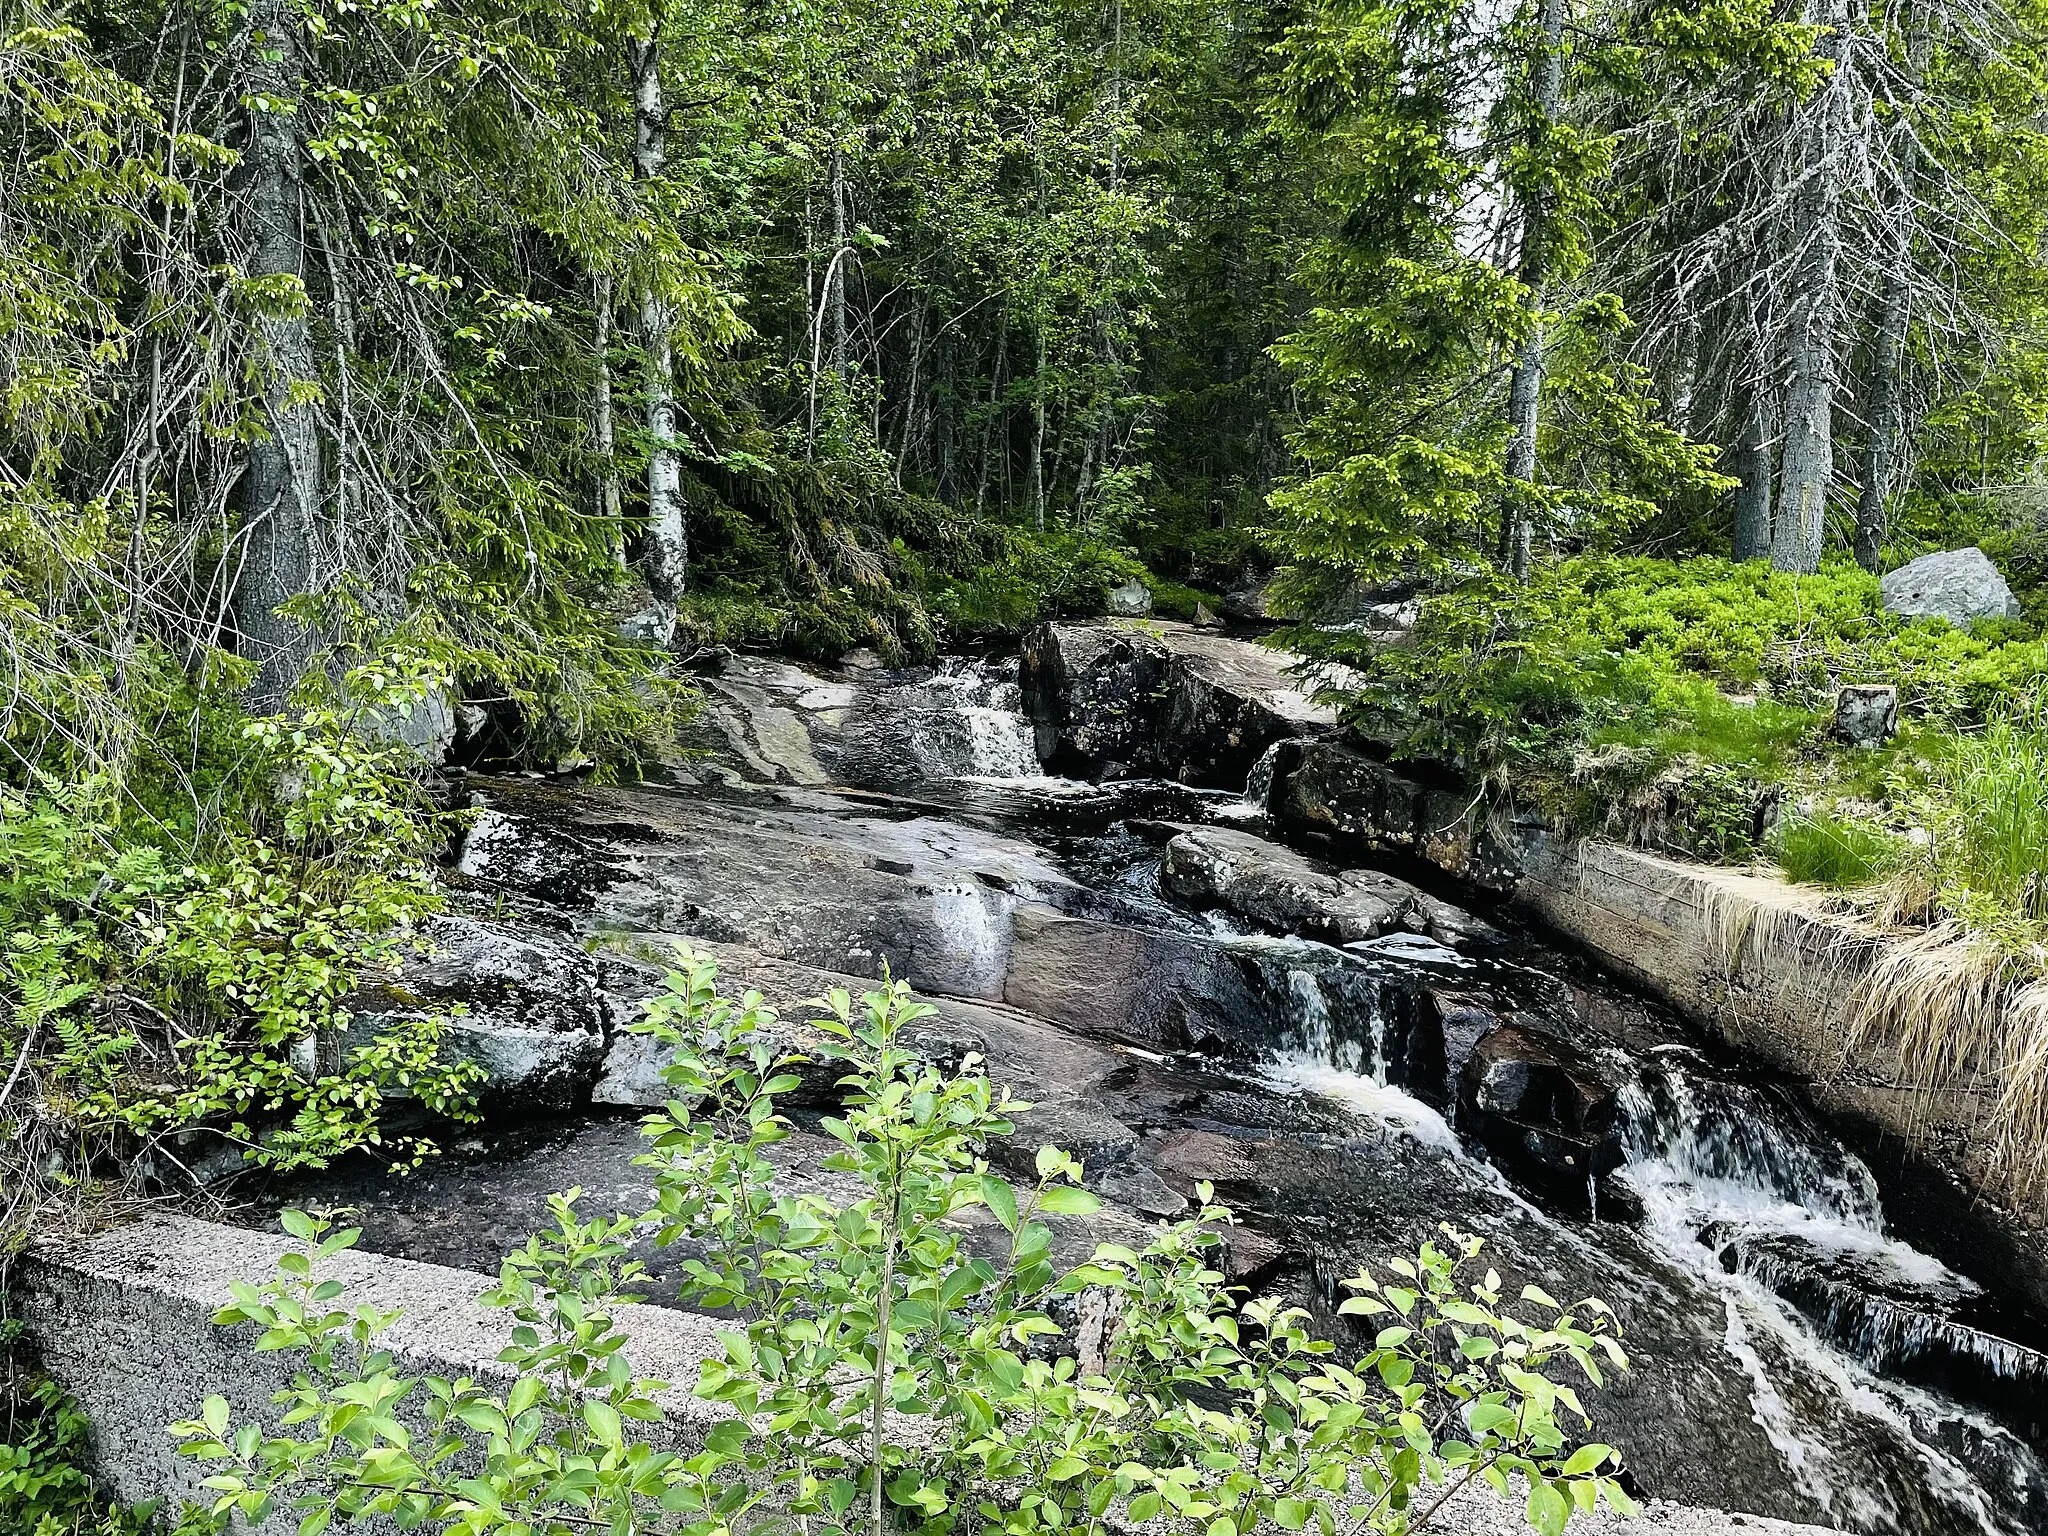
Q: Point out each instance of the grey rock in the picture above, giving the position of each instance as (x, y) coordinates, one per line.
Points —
(1960, 585)
(519, 1003)
(1132, 600)
(1286, 892)
(1540, 1108)
(1141, 1189)
(426, 726)
(1118, 699)
(1253, 602)
(1867, 714)
(1324, 788)
(123, 1321)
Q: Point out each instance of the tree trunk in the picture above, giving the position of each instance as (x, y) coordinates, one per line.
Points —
(837, 279)
(1753, 495)
(667, 544)
(1806, 469)
(280, 490)
(1525, 387)
(1879, 452)
(602, 427)
(988, 427)
(1038, 436)
(1888, 353)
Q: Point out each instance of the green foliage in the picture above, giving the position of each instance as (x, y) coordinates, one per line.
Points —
(1983, 804)
(1628, 651)
(886, 1370)
(1827, 850)
(45, 1487)
(1398, 361)
(1034, 576)
(173, 968)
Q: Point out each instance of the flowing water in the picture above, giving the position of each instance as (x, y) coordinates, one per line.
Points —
(1874, 1371)
(1793, 1354)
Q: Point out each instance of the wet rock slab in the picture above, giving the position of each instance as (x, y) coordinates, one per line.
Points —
(1286, 892)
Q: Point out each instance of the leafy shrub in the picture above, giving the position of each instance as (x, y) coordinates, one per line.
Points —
(167, 973)
(1032, 576)
(1174, 601)
(1826, 850)
(45, 1489)
(886, 1374)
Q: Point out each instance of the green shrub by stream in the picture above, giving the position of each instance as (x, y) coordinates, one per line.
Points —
(1674, 701)
(884, 1374)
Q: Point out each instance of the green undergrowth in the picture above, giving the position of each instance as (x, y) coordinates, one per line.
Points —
(907, 600)
(902, 1350)
(187, 911)
(1687, 704)
(46, 1482)
(1824, 849)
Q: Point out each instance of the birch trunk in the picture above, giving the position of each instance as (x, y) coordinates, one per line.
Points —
(1753, 495)
(1038, 436)
(1807, 460)
(667, 542)
(603, 428)
(837, 277)
(1525, 386)
(280, 489)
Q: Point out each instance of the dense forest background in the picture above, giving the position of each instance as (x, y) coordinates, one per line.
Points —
(364, 362)
(521, 335)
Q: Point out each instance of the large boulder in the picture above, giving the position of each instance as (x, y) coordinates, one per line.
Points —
(1326, 789)
(1960, 585)
(1541, 1109)
(1132, 600)
(1286, 892)
(1122, 700)
(518, 1003)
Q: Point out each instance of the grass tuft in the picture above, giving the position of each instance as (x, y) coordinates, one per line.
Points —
(1826, 850)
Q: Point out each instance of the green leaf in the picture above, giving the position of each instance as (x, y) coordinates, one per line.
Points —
(1547, 1509)
(1586, 1458)
(1000, 1198)
(1068, 1200)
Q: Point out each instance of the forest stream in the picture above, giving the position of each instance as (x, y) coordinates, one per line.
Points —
(1793, 1353)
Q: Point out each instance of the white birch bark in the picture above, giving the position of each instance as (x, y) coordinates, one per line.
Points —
(666, 552)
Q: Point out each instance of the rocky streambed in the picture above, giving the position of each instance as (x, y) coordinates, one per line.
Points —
(1078, 855)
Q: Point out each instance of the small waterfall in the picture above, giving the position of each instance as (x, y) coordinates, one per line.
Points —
(1337, 1059)
(967, 721)
(1739, 1185)
(1718, 1144)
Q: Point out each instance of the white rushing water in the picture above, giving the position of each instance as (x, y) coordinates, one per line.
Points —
(965, 722)
(1751, 1200)
(1349, 1066)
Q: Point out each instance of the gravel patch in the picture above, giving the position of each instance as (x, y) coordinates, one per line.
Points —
(1482, 1512)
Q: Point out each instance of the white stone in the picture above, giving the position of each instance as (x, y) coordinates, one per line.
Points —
(1132, 600)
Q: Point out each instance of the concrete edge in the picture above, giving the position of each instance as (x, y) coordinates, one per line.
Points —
(123, 1321)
